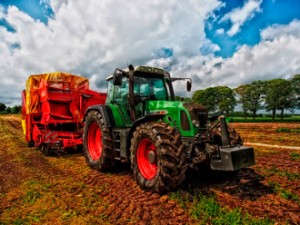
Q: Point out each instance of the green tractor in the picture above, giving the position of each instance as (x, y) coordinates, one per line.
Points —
(142, 124)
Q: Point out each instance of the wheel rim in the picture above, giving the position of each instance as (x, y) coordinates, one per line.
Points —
(147, 169)
(94, 141)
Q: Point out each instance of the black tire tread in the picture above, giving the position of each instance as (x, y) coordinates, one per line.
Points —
(172, 156)
(105, 161)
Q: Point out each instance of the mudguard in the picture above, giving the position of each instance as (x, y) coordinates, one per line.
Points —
(105, 112)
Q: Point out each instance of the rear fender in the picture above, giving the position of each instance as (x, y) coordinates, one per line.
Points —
(105, 112)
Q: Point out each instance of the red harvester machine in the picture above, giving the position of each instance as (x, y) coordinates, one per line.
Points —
(53, 107)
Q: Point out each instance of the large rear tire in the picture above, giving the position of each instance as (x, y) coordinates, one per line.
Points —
(158, 158)
(97, 142)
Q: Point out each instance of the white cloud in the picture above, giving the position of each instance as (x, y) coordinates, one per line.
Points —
(239, 16)
(277, 30)
(109, 34)
(220, 31)
(93, 38)
(1, 12)
(276, 56)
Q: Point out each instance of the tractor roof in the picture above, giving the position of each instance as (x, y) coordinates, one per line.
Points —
(145, 70)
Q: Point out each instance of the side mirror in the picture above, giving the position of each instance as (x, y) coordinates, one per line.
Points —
(117, 77)
(189, 85)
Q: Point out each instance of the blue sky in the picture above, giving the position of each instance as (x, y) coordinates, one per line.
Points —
(39, 10)
(212, 41)
(271, 12)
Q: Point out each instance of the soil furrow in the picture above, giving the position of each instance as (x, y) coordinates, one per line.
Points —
(64, 190)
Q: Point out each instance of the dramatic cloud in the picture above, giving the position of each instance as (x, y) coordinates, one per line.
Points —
(1, 12)
(109, 34)
(93, 41)
(278, 30)
(220, 31)
(276, 56)
(239, 16)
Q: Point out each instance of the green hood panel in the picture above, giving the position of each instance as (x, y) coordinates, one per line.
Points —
(174, 111)
(160, 105)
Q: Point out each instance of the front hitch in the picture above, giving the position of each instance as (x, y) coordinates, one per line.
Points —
(231, 157)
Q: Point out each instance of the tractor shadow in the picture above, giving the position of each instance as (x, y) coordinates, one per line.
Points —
(245, 184)
(67, 153)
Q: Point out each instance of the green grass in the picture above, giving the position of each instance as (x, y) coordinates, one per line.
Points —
(283, 129)
(287, 130)
(295, 156)
(286, 194)
(206, 210)
(290, 176)
(31, 197)
(263, 119)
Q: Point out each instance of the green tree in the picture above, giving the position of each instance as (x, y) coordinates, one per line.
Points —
(207, 97)
(2, 107)
(256, 94)
(279, 95)
(178, 98)
(187, 100)
(296, 87)
(219, 98)
(243, 92)
(225, 99)
(8, 110)
(287, 100)
(251, 97)
(182, 99)
(16, 109)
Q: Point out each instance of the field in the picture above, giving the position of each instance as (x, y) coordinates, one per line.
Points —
(63, 190)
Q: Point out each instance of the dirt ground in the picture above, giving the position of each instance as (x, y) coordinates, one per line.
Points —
(63, 190)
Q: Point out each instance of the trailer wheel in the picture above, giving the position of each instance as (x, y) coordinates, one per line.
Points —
(158, 158)
(97, 142)
(30, 144)
(45, 150)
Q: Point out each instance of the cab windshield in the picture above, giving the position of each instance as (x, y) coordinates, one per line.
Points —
(151, 88)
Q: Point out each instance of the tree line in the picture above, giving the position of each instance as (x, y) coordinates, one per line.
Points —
(9, 110)
(270, 95)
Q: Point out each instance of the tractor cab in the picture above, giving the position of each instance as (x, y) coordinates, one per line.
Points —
(130, 90)
(133, 89)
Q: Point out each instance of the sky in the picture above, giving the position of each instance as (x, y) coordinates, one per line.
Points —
(215, 42)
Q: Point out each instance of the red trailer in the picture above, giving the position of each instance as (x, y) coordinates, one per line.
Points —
(53, 108)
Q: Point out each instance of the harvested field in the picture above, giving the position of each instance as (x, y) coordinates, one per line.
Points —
(64, 190)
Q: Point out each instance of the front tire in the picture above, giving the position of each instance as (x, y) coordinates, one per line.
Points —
(158, 158)
(97, 142)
